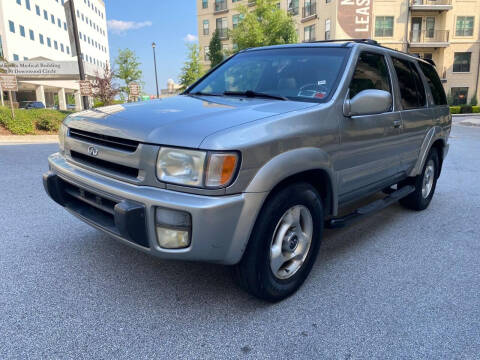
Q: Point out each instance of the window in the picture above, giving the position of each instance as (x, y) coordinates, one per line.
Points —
(27, 4)
(22, 30)
(37, 10)
(25, 58)
(52, 18)
(206, 52)
(11, 25)
(459, 95)
(15, 57)
(59, 23)
(78, 13)
(427, 56)
(65, 26)
(371, 72)
(49, 42)
(220, 5)
(204, 4)
(222, 28)
(430, 27)
(310, 8)
(236, 20)
(55, 44)
(40, 36)
(464, 26)
(410, 84)
(384, 26)
(45, 14)
(62, 49)
(461, 61)
(327, 29)
(19, 2)
(293, 7)
(32, 35)
(309, 33)
(68, 49)
(434, 83)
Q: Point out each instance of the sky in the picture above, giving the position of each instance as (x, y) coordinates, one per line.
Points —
(136, 24)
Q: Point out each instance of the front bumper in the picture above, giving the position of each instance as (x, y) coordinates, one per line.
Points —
(221, 225)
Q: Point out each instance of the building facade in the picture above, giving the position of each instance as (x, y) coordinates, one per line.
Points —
(446, 31)
(37, 40)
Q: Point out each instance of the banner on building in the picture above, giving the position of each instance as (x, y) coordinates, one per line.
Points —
(8, 82)
(355, 18)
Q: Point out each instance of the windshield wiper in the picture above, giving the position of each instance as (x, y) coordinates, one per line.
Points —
(251, 93)
(199, 93)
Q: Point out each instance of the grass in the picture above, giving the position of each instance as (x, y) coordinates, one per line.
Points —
(31, 122)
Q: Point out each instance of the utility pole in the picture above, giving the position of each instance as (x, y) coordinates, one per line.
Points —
(81, 69)
(155, 64)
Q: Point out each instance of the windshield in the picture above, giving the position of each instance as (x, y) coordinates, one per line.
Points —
(302, 74)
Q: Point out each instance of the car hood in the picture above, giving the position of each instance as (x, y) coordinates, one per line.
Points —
(178, 121)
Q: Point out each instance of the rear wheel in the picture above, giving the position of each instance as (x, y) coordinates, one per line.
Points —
(284, 243)
(425, 184)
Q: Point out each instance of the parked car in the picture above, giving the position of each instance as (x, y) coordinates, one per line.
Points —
(31, 105)
(248, 165)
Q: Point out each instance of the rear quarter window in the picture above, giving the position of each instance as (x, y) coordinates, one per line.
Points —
(434, 83)
(409, 81)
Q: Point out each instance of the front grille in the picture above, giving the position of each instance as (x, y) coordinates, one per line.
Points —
(104, 165)
(104, 140)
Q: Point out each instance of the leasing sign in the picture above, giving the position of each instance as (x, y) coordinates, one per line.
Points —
(355, 17)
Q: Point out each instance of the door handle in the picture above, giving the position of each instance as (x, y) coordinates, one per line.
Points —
(397, 124)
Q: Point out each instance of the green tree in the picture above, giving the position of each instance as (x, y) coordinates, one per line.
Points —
(192, 69)
(215, 49)
(128, 68)
(265, 25)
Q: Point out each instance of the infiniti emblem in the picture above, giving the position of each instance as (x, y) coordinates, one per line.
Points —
(92, 150)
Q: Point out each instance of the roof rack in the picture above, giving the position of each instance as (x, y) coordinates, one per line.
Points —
(366, 41)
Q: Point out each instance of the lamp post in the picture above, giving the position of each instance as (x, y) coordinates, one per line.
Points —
(155, 64)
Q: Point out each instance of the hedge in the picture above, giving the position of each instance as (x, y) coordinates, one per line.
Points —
(466, 109)
(31, 121)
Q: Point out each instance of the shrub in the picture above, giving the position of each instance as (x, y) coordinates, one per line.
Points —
(474, 101)
(466, 109)
(454, 109)
(476, 109)
(28, 121)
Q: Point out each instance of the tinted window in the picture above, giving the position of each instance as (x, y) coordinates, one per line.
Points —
(411, 87)
(434, 84)
(371, 72)
(303, 74)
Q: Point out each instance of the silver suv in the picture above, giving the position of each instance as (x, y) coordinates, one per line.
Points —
(249, 164)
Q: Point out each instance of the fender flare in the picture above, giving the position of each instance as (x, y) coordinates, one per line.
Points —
(432, 135)
(290, 163)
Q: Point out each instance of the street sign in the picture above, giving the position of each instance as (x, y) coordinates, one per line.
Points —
(8, 82)
(134, 89)
(85, 88)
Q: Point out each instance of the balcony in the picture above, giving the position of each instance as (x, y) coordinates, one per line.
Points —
(220, 6)
(431, 5)
(223, 33)
(429, 38)
(309, 11)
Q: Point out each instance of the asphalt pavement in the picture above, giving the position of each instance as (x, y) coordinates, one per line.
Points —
(399, 284)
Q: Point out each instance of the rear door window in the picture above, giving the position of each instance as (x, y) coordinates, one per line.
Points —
(371, 72)
(434, 83)
(411, 87)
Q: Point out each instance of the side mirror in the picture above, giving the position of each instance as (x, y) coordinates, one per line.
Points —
(368, 102)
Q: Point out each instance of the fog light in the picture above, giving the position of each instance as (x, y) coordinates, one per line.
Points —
(172, 239)
(173, 228)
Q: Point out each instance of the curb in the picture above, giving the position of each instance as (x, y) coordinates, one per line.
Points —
(28, 139)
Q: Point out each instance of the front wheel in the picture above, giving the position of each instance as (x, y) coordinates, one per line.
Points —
(425, 184)
(284, 243)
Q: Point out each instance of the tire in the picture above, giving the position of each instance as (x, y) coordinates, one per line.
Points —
(421, 197)
(268, 248)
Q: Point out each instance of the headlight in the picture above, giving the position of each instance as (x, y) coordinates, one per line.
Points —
(62, 132)
(196, 168)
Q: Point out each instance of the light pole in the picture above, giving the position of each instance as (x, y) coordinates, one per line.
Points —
(155, 64)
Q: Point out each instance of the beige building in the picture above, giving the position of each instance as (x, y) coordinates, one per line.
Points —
(447, 31)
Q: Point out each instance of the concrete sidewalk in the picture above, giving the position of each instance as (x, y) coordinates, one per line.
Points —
(467, 119)
(28, 139)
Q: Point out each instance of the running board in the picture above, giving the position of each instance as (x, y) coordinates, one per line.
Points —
(371, 208)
